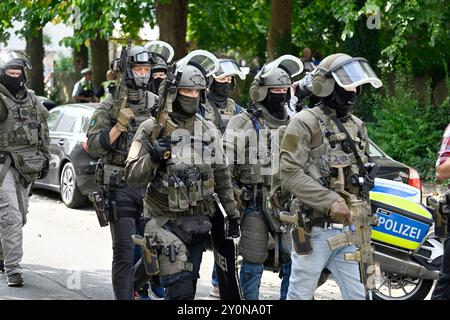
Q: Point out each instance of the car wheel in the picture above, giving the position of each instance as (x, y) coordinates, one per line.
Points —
(70, 194)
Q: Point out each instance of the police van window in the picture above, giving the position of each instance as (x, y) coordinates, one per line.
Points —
(51, 120)
(66, 123)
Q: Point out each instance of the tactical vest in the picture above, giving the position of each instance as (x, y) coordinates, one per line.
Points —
(252, 173)
(333, 152)
(186, 185)
(86, 87)
(220, 116)
(22, 133)
(114, 162)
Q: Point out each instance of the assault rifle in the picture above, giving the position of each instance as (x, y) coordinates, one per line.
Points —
(163, 124)
(359, 234)
(121, 93)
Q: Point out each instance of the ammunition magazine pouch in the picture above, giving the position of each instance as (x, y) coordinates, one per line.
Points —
(191, 229)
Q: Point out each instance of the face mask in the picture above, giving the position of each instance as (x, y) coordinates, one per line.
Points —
(342, 101)
(14, 85)
(221, 89)
(187, 105)
(274, 102)
(141, 81)
(155, 84)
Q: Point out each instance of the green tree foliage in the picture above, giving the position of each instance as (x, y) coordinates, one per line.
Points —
(96, 18)
(407, 127)
(237, 27)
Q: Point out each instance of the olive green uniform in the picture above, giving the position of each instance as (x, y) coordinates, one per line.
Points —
(312, 148)
(24, 149)
(182, 189)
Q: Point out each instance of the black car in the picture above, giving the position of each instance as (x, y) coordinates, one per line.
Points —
(72, 169)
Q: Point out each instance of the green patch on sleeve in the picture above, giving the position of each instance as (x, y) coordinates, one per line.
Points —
(290, 142)
(93, 122)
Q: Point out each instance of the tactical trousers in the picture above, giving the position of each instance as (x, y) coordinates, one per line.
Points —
(306, 269)
(442, 289)
(129, 204)
(13, 210)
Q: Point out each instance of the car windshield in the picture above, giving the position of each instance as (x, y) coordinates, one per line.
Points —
(375, 151)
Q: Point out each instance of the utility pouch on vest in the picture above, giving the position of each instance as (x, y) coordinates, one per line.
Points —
(100, 207)
(207, 188)
(191, 229)
(31, 164)
(193, 193)
(301, 241)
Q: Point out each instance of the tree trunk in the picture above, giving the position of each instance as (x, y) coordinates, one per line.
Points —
(279, 40)
(172, 22)
(80, 58)
(100, 60)
(35, 51)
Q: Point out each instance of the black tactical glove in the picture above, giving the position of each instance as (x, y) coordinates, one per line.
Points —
(44, 171)
(233, 228)
(162, 151)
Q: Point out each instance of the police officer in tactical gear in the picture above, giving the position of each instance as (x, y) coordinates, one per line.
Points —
(219, 107)
(163, 56)
(24, 157)
(266, 113)
(109, 138)
(316, 152)
(169, 155)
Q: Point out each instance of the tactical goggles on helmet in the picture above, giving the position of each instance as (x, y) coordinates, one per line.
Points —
(292, 65)
(353, 73)
(201, 59)
(12, 59)
(161, 49)
(228, 68)
(143, 57)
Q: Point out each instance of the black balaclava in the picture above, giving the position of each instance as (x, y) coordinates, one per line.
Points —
(154, 85)
(274, 103)
(341, 100)
(13, 84)
(219, 92)
(186, 106)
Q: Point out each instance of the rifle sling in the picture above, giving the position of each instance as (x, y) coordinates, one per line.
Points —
(351, 143)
